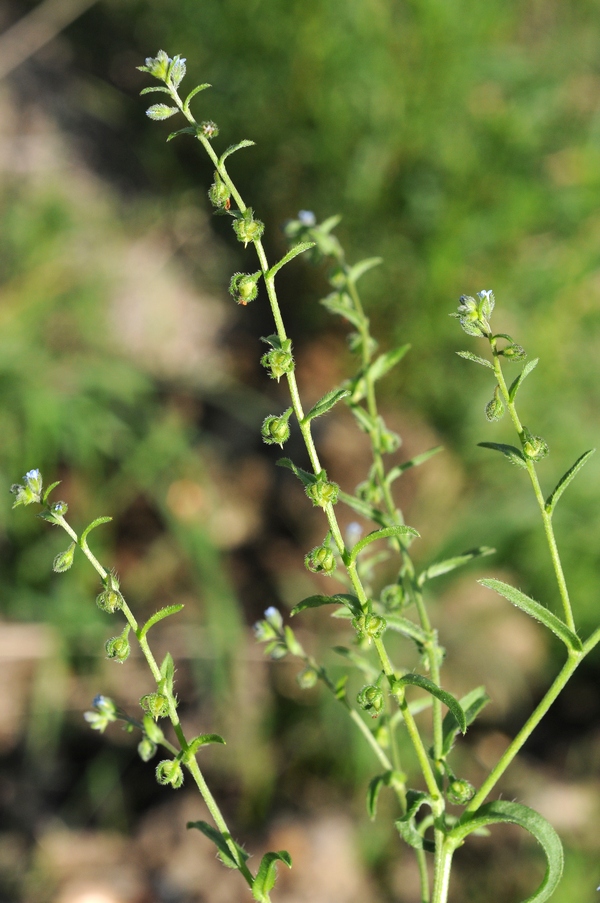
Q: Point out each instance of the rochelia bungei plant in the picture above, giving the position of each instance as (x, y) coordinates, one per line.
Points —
(425, 822)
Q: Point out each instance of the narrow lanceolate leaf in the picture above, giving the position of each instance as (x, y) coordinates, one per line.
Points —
(374, 789)
(450, 564)
(406, 825)
(385, 533)
(305, 478)
(367, 423)
(450, 701)
(233, 148)
(516, 383)
(158, 616)
(92, 526)
(513, 454)
(370, 672)
(469, 356)
(202, 740)
(517, 814)
(266, 876)
(349, 601)
(384, 363)
(225, 854)
(188, 130)
(160, 88)
(49, 490)
(336, 304)
(196, 90)
(363, 508)
(566, 479)
(326, 403)
(397, 471)
(362, 267)
(535, 610)
(330, 223)
(300, 248)
(471, 704)
(167, 671)
(407, 628)
(161, 111)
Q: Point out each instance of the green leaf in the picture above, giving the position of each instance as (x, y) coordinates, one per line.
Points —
(407, 628)
(305, 478)
(233, 148)
(349, 601)
(469, 356)
(370, 672)
(49, 490)
(158, 616)
(517, 814)
(266, 876)
(367, 423)
(167, 671)
(192, 94)
(325, 404)
(363, 508)
(293, 252)
(385, 533)
(188, 130)
(225, 854)
(202, 740)
(406, 825)
(336, 304)
(566, 479)
(471, 704)
(516, 384)
(535, 610)
(380, 366)
(374, 789)
(161, 111)
(450, 564)
(160, 88)
(397, 471)
(450, 701)
(330, 223)
(513, 454)
(362, 267)
(92, 526)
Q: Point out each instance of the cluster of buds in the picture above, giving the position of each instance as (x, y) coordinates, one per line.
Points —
(534, 447)
(29, 491)
(246, 227)
(371, 699)
(110, 599)
(105, 711)
(243, 287)
(276, 430)
(321, 491)
(321, 560)
(369, 626)
(474, 313)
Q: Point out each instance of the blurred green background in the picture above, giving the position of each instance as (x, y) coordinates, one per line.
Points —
(459, 141)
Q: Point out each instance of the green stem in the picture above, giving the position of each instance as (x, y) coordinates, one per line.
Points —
(443, 866)
(423, 875)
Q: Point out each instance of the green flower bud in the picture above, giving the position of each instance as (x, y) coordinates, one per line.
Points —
(534, 447)
(59, 509)
(169, 771)
(155, 704)
(371, 700)
(274, 618)
(473, 314)
(494, 409)
(369, 626)
(460, 792)
(157, 66)
(307, 678)
(320, 561)
(219, 194)
(146, 749)
(389, 442)
(322, 492)
(514, 352)
(118, 647)
(243, 287)
(64, 560)
(279, 362)
(393, 597)
(209, 129)
(247, 228)
(30, 492)
(276, 430)
(152, 730)
(109, 600)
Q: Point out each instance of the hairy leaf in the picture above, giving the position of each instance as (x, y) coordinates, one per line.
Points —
(225, 854)
(566, 479)
(407, 628)
(266, 876)
(349, 601)
(516, 384)
(374, 789)
(363, 508)
(370, 672)
(362, 267)
(450, 701)
(92, 526)
(293, 252)
(203, 740)
(406, 825)
(472, 703)
(513, 454)
(192, 94)
(158, 616)
(167, 671)
(49, 490)
(450, 564)
(305, 478)
(188, 130)
(385, 533)
(535, 610)
(469, 356)
(517, 814)
(397, 471)
(161, 111)
(326, 403)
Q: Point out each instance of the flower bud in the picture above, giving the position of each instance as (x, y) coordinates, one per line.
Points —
(460, 791)
(371, 700)
(320, 561)
(514, 352)
(276, 650)
(219, 194)
(389, 442)
(64, 560)
(382, 735)
(494, 409)
(118, 647)
(157, 66)
(534, 447)
(279, 362)
(169, 771)
(109, 600)
(307, 678)
(243, 287)
(322, 492)
(152, 730)
(155, 704)
(30, 492)
(276, 430)
(247, 228)
(209, 129)
(274, 618)
(59, 509)
(473, 314)
(393, 597)
(105, 712)
(146, 749)
(263, 632)
(369, 626)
